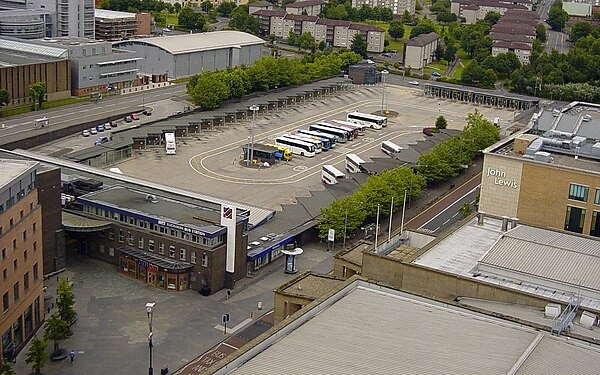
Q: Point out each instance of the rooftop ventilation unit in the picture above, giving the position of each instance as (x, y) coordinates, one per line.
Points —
(579, 141)
(587, 118)
(596, 149)
(542, 156)
(534, 147)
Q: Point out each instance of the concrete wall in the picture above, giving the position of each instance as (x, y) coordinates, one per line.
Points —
(496, 197)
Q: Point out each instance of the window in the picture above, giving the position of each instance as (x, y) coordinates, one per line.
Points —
(595, 228)
(111, 251)
(34, 227)
(4, 274)
(25, 256)
(101, 234)
(4, 254)
(141, 242)
(26, 282)
(21, 214)
(129, 239)
(182, 254)
(151, 245)
(121, 235)
(172, 251)
(596, 201)
(161, 248)
(16, 292)
(31, 206)
(15, 265)
(204, 260)
(11, 222)
(575, 219)
(193, 257)
(578, 192)
(34, 246)
(14, 244)
(35, 273)
(111, 234)
(24, 235)
(5, 304)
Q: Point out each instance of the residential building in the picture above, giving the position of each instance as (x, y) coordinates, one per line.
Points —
(474, 10)
(374, 36)
(167, 241)
(24, 64)
(332, 32)
(511, 38)
(270, 22)
(307, 7)
(298, 24)
(259, 5)
(515, 29)
(21, 257)
(397, 6)
(522, 50)
(189, 54)
(420, 50)
(550, 174)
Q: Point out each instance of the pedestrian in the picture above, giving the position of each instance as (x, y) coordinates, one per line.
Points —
(72, 355)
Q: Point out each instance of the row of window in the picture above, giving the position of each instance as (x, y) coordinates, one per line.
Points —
(581, 192)
(20, 195)
(575, 219)
(12, 222)
(17, 289)
(210, 242)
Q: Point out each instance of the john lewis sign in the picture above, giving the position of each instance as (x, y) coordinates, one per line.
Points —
(500, 178)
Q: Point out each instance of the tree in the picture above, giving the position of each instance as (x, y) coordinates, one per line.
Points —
(240, 20)
(6, 369)
(292, 38)
(396, 30)
(209, 91)
(492, 18)
(56, 330)
(37, 355)
(359, 45)
(65, 300)
(446, 16)
(540, 32)
(4, 97)
(450, 53)
(557, 18)
(337, 12)
(225, 8)
(206, 5)
(421, 29)
(580, 30)
(441, 122)
(307, 41)
(439, 52)
(465, 210)
(407, 18)
(177, 7)
(190, 19)
(37, 91)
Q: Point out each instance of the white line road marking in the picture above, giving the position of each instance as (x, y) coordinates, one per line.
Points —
(445, 209)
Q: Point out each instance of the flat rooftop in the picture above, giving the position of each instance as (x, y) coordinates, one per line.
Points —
(545, 262)
(369, 329)
(161, 208)
(12, 169)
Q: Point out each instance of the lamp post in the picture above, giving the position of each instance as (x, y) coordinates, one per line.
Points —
(254, 108)
(149, 308)
(383, 74)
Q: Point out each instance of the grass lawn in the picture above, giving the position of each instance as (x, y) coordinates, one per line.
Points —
(171, 19)
(397, 45)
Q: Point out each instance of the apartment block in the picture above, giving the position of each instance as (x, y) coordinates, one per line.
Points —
(420, 51)
(397, 6)
(308, 7)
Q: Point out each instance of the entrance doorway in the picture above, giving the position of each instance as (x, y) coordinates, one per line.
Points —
(152, 278)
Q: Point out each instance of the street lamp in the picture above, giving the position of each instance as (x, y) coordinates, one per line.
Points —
(383, 74)
(149, 307)
(254, 108)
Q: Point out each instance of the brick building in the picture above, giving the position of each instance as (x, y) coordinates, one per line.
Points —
(21, 258)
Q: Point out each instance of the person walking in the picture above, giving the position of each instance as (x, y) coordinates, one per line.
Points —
(72, 355)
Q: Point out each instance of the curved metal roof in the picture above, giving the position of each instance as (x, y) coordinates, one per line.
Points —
(178, 44)
(76, 223)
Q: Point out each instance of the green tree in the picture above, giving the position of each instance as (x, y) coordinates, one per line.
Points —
(421, 28)
(450, 53)
(322, 45)
(441, 122)
(465, 210)
(396, 30)
(4, 98)
(6, 369)
(540, 32)
(65, 300)
(307, 41)
(206, 5)
(492, 18)
(292, 38)
(209, 91)
(407, 18)
(337, 12)
(237, 83)
(190, 19)
(580, 30)
(56, 330)
(177, 7)
(557, 18)
(225, 8)
(359, 45)
(240, 20)
(37, 91)
(445, 16)
(37, 355)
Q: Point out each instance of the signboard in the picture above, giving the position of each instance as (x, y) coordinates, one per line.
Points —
(331, 235)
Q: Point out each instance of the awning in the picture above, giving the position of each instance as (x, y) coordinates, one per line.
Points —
(161, 262)
(76, 223)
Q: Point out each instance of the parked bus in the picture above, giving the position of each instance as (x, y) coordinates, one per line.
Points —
(330, 175)
(341, 135)
(325, 138)
(170, 146)
(287, 154)
(361, 128)
(390, 147)
(318, 144)
(354, 164)
(262, 152)
(353, 132)
(322, 144)
(297, 147)
(372, 121)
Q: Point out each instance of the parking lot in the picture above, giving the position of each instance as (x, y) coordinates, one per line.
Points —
(211, 163)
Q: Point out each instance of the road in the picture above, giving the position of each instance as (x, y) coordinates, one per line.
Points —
(450, 214)
(101, 110)
(556, 40)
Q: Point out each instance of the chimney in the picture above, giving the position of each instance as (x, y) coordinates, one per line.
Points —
(514, 222)
(505, 223)
(480, 217)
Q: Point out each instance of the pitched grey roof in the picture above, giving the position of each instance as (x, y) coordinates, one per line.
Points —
(422, 40)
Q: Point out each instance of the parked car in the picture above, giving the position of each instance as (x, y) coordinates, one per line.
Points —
(107, 126)
(147, 112)
(100, 141)
(135, 116)
(100, 128)
(113, 124)
(386, 54)
(414, 83)
(436, 74)
(93, 131)
(128, 119)
(85, 133)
